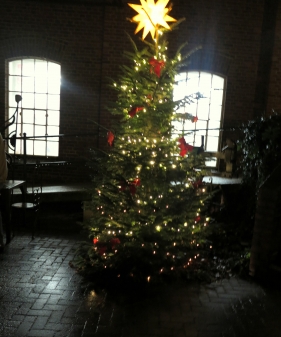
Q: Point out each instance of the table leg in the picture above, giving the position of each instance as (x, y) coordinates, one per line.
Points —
(6, 199)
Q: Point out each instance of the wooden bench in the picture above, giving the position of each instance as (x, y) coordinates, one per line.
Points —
(61, 193)
(62, 206)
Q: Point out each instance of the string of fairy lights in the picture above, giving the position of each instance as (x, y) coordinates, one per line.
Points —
(143, 203)
(133, 210)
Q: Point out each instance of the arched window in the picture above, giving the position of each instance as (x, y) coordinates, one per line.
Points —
(208, 109)
(38, 82)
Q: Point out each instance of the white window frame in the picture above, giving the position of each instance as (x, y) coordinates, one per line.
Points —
(209, 109)
(38, 81)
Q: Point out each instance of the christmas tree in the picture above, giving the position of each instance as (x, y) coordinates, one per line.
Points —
(149, 202)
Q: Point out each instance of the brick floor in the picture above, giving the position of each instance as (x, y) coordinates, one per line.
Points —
(40, 295)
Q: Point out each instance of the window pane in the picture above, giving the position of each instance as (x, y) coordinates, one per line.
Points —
(40, 68)
(211, 162)
(19, 147)
(53, 69)
(40, 117)
(29, 147)
(28, 101)
(215, 112)
(28, 129)
(192, 109)
(40, 84)
(181, 77)
(192, 88)
(15, 83)
(198, 139)
(28, 67)
(53, 85)
(53, 117)
(40, 130)
(213, 133)
(54, 74)
(212, 144)
(192, 82)
(53, 131)
(203, 108)
(218, 82)
(40, 101)
(217, 96)
(213, 124)
(179, 92)
(28, 84)
(54, 102)
(200, 124)
(28, 116)
(39, 148)
(15, 67)
(52, 148)
(205, 84)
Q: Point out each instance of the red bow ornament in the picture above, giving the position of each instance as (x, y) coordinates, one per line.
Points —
(102, 250)
(137, 182)
(114, 242)
(110, 138)
(184, 147)
(156, 66)
(135, 110)
(197, 184)
(101, 246)
(133, 185)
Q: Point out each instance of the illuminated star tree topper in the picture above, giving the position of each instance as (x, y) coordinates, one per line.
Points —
(151, 16)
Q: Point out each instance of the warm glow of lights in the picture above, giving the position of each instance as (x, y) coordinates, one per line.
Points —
(151, 15)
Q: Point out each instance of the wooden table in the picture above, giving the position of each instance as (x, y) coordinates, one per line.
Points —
(6, 190)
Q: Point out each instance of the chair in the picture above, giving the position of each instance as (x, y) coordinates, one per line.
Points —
(32, 201)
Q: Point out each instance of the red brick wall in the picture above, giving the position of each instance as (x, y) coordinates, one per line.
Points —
(89, 41)
(274, 94)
